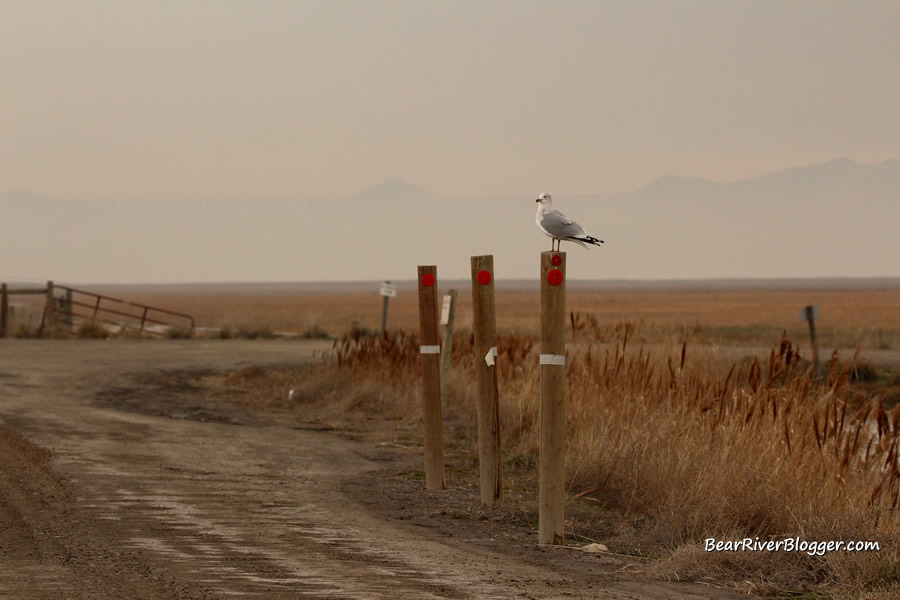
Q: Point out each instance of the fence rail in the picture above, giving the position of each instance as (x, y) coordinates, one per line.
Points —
(75, 307)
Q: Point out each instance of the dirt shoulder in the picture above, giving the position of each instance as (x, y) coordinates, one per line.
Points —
(125, 473)
(49, 548)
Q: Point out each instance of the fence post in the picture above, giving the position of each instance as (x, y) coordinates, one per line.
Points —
(49, 313)
(484, 327)
(70, 313)
(4, 311)
(810, 314)
(447, 346)
(431, 378)
(552, 466)
(384, 313)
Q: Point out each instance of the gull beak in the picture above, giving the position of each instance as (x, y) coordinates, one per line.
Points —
(537, 200)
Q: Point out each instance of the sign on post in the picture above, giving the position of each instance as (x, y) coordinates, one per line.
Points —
(448, 317)
(445, 307)
(803, 313)
(388, 290)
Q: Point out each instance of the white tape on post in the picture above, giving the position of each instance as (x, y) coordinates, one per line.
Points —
(553, 359)
(429, 349)
(489, 357)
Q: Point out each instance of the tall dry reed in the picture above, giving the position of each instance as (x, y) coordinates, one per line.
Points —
(685, 447)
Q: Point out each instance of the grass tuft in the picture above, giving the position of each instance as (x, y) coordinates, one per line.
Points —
(91, 330)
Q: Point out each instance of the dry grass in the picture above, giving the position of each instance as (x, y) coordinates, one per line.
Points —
(685, 446)
(90, 330)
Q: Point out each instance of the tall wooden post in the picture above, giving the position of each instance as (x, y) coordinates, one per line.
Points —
(431, 378)
(552, 466)
(484, 327)
(4, 311)
(49, 313)
(447, 346)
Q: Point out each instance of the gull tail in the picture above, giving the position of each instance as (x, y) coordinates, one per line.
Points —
(580, 240)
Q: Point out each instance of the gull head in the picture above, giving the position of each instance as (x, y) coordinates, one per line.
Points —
(544, 199)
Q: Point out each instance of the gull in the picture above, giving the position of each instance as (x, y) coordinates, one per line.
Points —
(558, 226)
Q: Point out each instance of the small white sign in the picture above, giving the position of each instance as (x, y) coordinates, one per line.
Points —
(553, 359)
(445, 311)
(489, 357)
(815, 313)
(388, 289)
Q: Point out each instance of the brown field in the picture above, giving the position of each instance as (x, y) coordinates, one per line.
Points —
(864, 313)
(868, 316)
(689, 415)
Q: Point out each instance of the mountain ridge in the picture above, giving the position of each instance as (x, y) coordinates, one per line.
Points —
(839, 171)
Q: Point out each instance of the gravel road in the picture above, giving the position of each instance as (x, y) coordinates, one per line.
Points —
(206, 500)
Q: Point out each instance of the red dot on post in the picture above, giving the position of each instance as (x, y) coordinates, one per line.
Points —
(428, 280)
(556, 260)
(555, 276)
(484, 277)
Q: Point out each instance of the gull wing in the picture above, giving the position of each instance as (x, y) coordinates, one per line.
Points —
(559, 225)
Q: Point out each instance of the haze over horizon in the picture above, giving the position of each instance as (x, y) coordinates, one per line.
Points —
(832, 219)
(700, 138)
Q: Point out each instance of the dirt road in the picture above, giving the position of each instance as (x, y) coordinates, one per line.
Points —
(153, 497)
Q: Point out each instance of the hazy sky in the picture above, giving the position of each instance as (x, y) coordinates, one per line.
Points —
(237, 99)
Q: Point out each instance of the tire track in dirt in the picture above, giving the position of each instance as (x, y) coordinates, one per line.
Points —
(48, 549)
(252, 539)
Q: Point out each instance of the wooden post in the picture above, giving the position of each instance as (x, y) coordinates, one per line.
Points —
(4, 311)
(388, 290)
(431, 378)
(49, 313)
(484, 326)
(552, 466)
(447, 346)
(384, 311)
(810, 313)
(70, 313)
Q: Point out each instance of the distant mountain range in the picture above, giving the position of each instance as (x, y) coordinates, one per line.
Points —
(839, 178)
(391, 190)
(833, 219)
